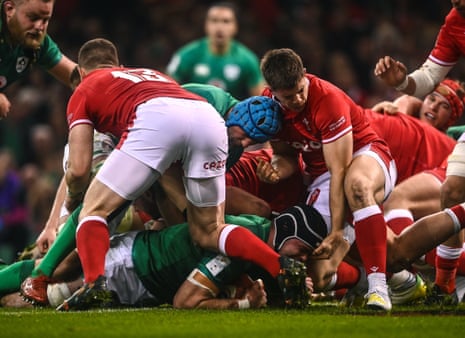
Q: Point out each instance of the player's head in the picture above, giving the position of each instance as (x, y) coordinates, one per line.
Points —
(97, 53)
(454, 93)
(258, 116)
(445, 105)
(298, 231)
(221, 24)
(284, 74)
(27, 21)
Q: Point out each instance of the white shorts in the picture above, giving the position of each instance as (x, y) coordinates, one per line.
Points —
(318, 197)
(167, 130)
(120, 274)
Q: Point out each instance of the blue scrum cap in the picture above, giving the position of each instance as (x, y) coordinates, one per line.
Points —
(301, 221)
(258, 116)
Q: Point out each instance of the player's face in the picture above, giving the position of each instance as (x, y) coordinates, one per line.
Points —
(436, 111)
(295, 248)
(294, 99)
(28, 22)
(221, 25)
(238, 137)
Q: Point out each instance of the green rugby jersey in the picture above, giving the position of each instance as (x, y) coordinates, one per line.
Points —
(235, 71)
(164, 259)
(15, 61)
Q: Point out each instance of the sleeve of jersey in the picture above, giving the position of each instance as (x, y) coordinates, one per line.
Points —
(49, 54)
(333, 118)
(445, 51)
(216, 271)
(76, 112)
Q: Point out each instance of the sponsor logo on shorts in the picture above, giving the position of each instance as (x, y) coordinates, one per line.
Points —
(215, 165)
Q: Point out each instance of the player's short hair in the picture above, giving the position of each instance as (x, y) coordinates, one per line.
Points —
(302, 222)
(97, 53)
(282, 68)
(224, 4)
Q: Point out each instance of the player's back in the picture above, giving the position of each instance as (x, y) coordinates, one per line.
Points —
(414, 145)
(109, 96)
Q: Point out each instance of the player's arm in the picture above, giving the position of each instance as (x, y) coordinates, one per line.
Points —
(418, 83)
(49, 233)
(198, 291)
(338, 155)
(79, 165)
(63, 69)
(283, 164)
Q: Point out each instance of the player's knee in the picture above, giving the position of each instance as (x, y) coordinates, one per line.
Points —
(358, 191)
(453, 192)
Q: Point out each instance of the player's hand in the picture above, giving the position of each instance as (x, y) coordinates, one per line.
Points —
(256, 294)
(392, 72)
(386, 107)
(329, 245)
(45, 239)
(266, 173)
(5, 106)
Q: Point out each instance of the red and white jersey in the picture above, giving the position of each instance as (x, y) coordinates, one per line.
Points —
(329, 115)
(279, 196)
(450, 42)
(107, 98)
(415, 146)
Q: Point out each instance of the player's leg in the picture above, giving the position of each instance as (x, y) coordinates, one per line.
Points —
(424, 235)
(413, 198)
(448, 253)
(205, 214)
(367, 184)
(122, 178)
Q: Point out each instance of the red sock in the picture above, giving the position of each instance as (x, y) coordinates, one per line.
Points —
(370, 232)
(240, 242)
(398, 220)
(430, 257)
(347, 276)
(447, 260)
(93, 242)
(461, 265)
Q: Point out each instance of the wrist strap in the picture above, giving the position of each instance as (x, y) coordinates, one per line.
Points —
(403, 85)
(243, 304)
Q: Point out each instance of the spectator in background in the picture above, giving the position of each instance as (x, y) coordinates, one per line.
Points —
(218, 59)
(14, 228)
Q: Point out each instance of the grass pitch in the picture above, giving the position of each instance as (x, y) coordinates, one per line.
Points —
(319, 320)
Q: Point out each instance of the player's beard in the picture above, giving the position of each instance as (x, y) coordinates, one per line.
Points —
(28, 39)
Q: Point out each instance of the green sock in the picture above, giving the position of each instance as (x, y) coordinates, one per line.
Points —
(61, 247)
(13, 275)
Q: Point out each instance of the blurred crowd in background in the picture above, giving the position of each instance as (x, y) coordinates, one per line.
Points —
(339, 40)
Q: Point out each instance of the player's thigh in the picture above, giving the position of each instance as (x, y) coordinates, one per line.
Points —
(364, 183)
(420, 194)
(121, 178)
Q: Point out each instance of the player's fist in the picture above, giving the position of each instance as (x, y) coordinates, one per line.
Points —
(392, 72)
(266, 173)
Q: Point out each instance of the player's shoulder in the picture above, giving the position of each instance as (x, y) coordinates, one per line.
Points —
(243, 52)
(193, 47)
(454, 18)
